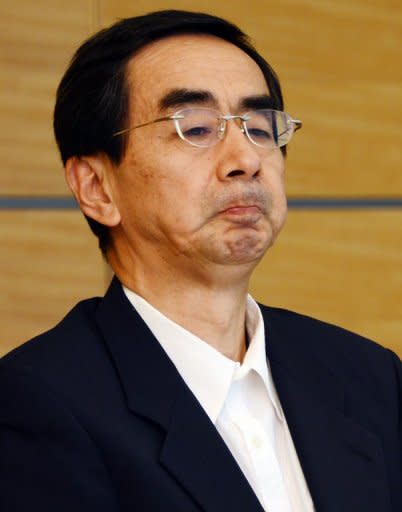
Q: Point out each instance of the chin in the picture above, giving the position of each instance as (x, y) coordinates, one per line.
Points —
(245, 249)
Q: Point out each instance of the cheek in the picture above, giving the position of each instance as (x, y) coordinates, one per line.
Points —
(275, 186)
(280, 212)
(273, 173)
(162, 187)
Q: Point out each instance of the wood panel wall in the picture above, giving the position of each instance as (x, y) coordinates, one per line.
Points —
(338, 61)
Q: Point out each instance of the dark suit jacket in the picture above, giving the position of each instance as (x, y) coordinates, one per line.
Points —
(95, 417)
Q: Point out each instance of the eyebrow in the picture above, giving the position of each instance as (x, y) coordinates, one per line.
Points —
(258, 101)
(178, 97)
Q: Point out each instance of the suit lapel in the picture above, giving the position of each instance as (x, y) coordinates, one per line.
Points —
(342, 461)
(193, 452)
(196, 455)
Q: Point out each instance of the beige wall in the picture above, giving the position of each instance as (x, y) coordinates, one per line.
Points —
(339, 65)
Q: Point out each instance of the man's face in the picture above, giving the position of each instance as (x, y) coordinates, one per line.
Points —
(222, 205)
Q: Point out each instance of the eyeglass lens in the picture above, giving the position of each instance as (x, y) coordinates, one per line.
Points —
(204, 127)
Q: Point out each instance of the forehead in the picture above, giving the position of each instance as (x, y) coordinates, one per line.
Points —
(200, 62)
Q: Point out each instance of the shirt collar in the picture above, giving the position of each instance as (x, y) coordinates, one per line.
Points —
(208, 373)
(256, 357)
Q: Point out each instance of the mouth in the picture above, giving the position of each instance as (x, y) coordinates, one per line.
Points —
(241, 209)
(247, 214)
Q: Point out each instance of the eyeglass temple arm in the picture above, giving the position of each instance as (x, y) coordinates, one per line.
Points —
(298, 124)
(120, 132)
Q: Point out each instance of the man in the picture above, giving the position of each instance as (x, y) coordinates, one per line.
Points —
(176, 391)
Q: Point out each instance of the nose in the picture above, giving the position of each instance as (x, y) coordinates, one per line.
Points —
(238, 157)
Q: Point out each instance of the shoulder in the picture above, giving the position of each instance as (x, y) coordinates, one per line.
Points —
(350, 356)
(67, 368)
(61, 351)
(317, 334)
(46, 388)
(78, 322)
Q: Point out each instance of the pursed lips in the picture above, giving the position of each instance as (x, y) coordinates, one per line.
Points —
(244, 205)
(244, 214)
(247, 207)
(238, 209)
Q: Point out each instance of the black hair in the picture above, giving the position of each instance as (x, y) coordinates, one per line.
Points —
(92, 100)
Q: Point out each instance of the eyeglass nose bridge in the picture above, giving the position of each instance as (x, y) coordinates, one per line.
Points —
(228, 117)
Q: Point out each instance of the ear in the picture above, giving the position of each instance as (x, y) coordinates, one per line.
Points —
(88, 179)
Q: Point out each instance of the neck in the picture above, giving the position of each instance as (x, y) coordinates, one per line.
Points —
(212, 309)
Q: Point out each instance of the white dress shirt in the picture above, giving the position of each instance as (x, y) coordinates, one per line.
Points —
(242, 403)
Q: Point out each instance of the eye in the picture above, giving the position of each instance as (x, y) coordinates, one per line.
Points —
(259, 133)
(197, 131)
(260, 128)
